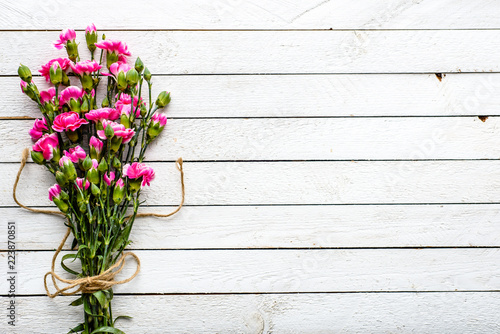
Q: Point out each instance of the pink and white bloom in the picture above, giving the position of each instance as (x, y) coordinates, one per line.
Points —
(123, 104)
(79, 182)
(120, 183)
(95, 145)
(39, 128)
(65, 36)
(118, 67)
(102, 114)
(90, 29)
(68, 121)
(158, 118)
(64, 63)
(71, 92)
(65, 161)
(109, 178)
(113, 46)
(47, 144)
(54, 191)
(85, 67)
(137, 170)
(47, 95)
(76, 154)
(119, 130)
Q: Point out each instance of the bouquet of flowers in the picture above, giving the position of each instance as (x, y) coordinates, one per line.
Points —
(96, 152)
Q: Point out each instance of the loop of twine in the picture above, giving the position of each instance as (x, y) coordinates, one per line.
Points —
(105, 280)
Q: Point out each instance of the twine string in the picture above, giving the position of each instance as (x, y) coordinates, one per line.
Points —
(104, 280)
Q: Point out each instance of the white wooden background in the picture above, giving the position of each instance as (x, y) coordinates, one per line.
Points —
(334, 183)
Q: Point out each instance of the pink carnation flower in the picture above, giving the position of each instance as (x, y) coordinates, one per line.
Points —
(65, 36)
(47, 95)
(109, 179)
(71, 92)
(65, 160)
(112, 46)
(39, 127)
(46, 144)
(118, 67)
(54, 191)
(96, 144)
(159, 118)
(123, 104)
(68, 121)
(90, 29)
(63, 62)
(119, 129)
(138, 170)
(76, 154)
(120, 183)
(102, 114)
(85, 67)
(79, 182)
(24, 84)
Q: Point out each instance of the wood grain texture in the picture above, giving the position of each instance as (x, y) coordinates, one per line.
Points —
(254, 14)
(252, 183)
(277, 52)
(305, 139)
(306, 95)
(286, 227)
(288, 270)
(446, 313)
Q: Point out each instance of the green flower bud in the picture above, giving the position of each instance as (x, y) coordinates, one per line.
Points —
(144, 110)
(57, 155)
(103, 166)
(65, 80)
(163, 99)
(61, 204)
(24, 73)
(135, 184)
(115, 143)
(61, 179)
(55, 74)
(85, 106)
(72, 135)
(147, 74)
(37, 157)
(121, 81)
(139, 65)
(124, 119)
(82, 207)
(87, 82)
(91, 39)
(74, 105)
(72, 50)
(111, 58)
(118, 191)
(116, 163)
(109, 132)
(64, 195)
(69, 171)
(87, 163)
(95, 190)
(105, 102)
(132, 77)
(93, 176)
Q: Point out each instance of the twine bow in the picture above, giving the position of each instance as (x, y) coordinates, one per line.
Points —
(104, 280)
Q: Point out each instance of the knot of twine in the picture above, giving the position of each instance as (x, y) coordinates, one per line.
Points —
(104, 280)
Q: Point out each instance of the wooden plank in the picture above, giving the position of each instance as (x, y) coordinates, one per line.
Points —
(260, 52)
(320, 270)
(286, 227)
(252, 183)
(307, 95)
(305, 139)
(254, 14)
(286, 313)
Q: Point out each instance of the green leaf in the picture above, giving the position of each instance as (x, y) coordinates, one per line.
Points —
(122, 317)
(77, 302)
(87, 310)
(101, 298)
(77, 329)
(107, 329)
(65, 257)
